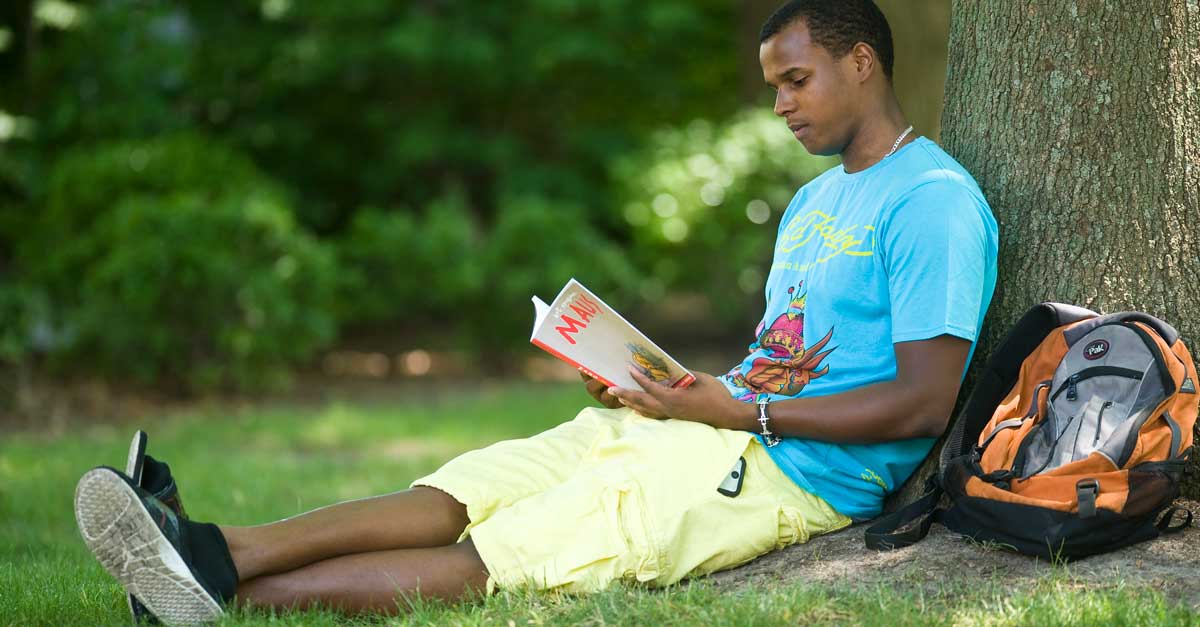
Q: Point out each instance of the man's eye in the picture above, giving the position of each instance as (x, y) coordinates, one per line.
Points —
(799, 82)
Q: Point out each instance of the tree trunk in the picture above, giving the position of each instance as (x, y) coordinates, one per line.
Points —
(1081, 122)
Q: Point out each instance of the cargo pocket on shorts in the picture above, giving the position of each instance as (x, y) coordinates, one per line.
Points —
(614, 542)
(793, 527)
(737, 536)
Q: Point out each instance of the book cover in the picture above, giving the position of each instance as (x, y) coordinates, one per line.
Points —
(583, 331)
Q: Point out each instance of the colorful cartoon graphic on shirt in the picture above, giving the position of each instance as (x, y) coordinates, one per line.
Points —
(789, 365)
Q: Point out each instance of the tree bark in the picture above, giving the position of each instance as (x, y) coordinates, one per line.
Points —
(1081, 121)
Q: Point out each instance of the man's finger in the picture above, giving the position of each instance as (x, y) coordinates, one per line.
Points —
(608, 400)
(650, 386)
(595, 387)
(640, 402)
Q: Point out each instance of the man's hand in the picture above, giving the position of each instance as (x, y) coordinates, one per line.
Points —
(706, 400)
(599, 391)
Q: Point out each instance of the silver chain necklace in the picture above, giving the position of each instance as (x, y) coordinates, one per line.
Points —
(898, 140)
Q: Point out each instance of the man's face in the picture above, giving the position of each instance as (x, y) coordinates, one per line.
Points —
(815, 93)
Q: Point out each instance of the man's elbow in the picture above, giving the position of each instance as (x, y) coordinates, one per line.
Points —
(929, 411)
(930, 417)
(931, 425)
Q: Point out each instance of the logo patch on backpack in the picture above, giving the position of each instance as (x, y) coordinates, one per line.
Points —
(1096, 350)
(1188, 387)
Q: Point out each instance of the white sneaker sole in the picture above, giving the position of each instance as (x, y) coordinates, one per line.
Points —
(133, 470)
(129, 545)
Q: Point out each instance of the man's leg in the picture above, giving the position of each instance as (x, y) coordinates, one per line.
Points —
(404, 542)
(374, 581)
(411, 519)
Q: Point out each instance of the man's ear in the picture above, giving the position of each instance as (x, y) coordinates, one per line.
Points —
(865, 61)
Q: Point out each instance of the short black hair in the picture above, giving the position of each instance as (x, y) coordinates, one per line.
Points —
(837, 25)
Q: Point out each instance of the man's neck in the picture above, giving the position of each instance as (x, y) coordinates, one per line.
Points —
(875, 138)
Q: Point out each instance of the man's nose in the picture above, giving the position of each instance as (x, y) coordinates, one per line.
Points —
(783, 103)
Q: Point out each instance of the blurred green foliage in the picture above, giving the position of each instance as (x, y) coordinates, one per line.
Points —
(383, 252)
(385, 103)
(207, 193)
(20, 310)
(703, 202)
(175, 260)
(219, 291)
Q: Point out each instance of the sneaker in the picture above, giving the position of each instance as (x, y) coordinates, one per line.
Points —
(154, 477)
(137, 456)
(180, 570)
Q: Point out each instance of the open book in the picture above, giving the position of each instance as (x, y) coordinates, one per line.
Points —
(583, 331)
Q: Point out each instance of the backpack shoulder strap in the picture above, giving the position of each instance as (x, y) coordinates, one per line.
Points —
(1002, 370)
(882, 536)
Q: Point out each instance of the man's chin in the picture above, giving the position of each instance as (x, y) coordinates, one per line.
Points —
(818, 150)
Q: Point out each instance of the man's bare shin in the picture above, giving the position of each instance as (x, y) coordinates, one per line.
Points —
(374, 582)
(416, 518)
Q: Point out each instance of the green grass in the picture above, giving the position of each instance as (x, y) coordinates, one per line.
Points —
(256, 465)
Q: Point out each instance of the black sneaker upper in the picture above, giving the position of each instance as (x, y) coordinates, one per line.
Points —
(157, 480)
(201, 545)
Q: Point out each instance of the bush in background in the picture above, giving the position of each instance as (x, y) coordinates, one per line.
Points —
(21, 308)
(535, 247)
(222, 292)
(446, 271)
(409, 266)
(175, 260)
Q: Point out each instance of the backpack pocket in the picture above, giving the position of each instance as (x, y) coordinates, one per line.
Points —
(1087, 433)
(1061, 439)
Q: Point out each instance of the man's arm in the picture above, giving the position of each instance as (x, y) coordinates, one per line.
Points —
(917, 403)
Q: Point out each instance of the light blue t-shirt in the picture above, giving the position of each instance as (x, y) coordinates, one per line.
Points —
(903, 250)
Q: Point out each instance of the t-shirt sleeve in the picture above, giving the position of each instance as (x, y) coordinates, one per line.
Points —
(935, 253)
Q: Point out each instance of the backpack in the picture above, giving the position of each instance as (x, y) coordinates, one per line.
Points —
(1073, 441)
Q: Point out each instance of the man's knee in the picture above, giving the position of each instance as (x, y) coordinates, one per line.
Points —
(446, 506)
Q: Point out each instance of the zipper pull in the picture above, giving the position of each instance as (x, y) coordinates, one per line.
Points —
(1100, 422)
(1072, 393)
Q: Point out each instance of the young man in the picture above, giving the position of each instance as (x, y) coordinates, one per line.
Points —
(884, 267)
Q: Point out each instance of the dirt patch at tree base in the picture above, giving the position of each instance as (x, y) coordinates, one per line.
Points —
(1169, 564)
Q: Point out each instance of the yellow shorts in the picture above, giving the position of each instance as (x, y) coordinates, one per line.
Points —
(614, 495)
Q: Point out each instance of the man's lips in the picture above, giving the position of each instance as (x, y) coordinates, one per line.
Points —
(797, 129)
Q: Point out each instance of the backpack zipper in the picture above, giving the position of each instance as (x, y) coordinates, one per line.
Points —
(1069, 386)
(1100, 421)
(1053, 445)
